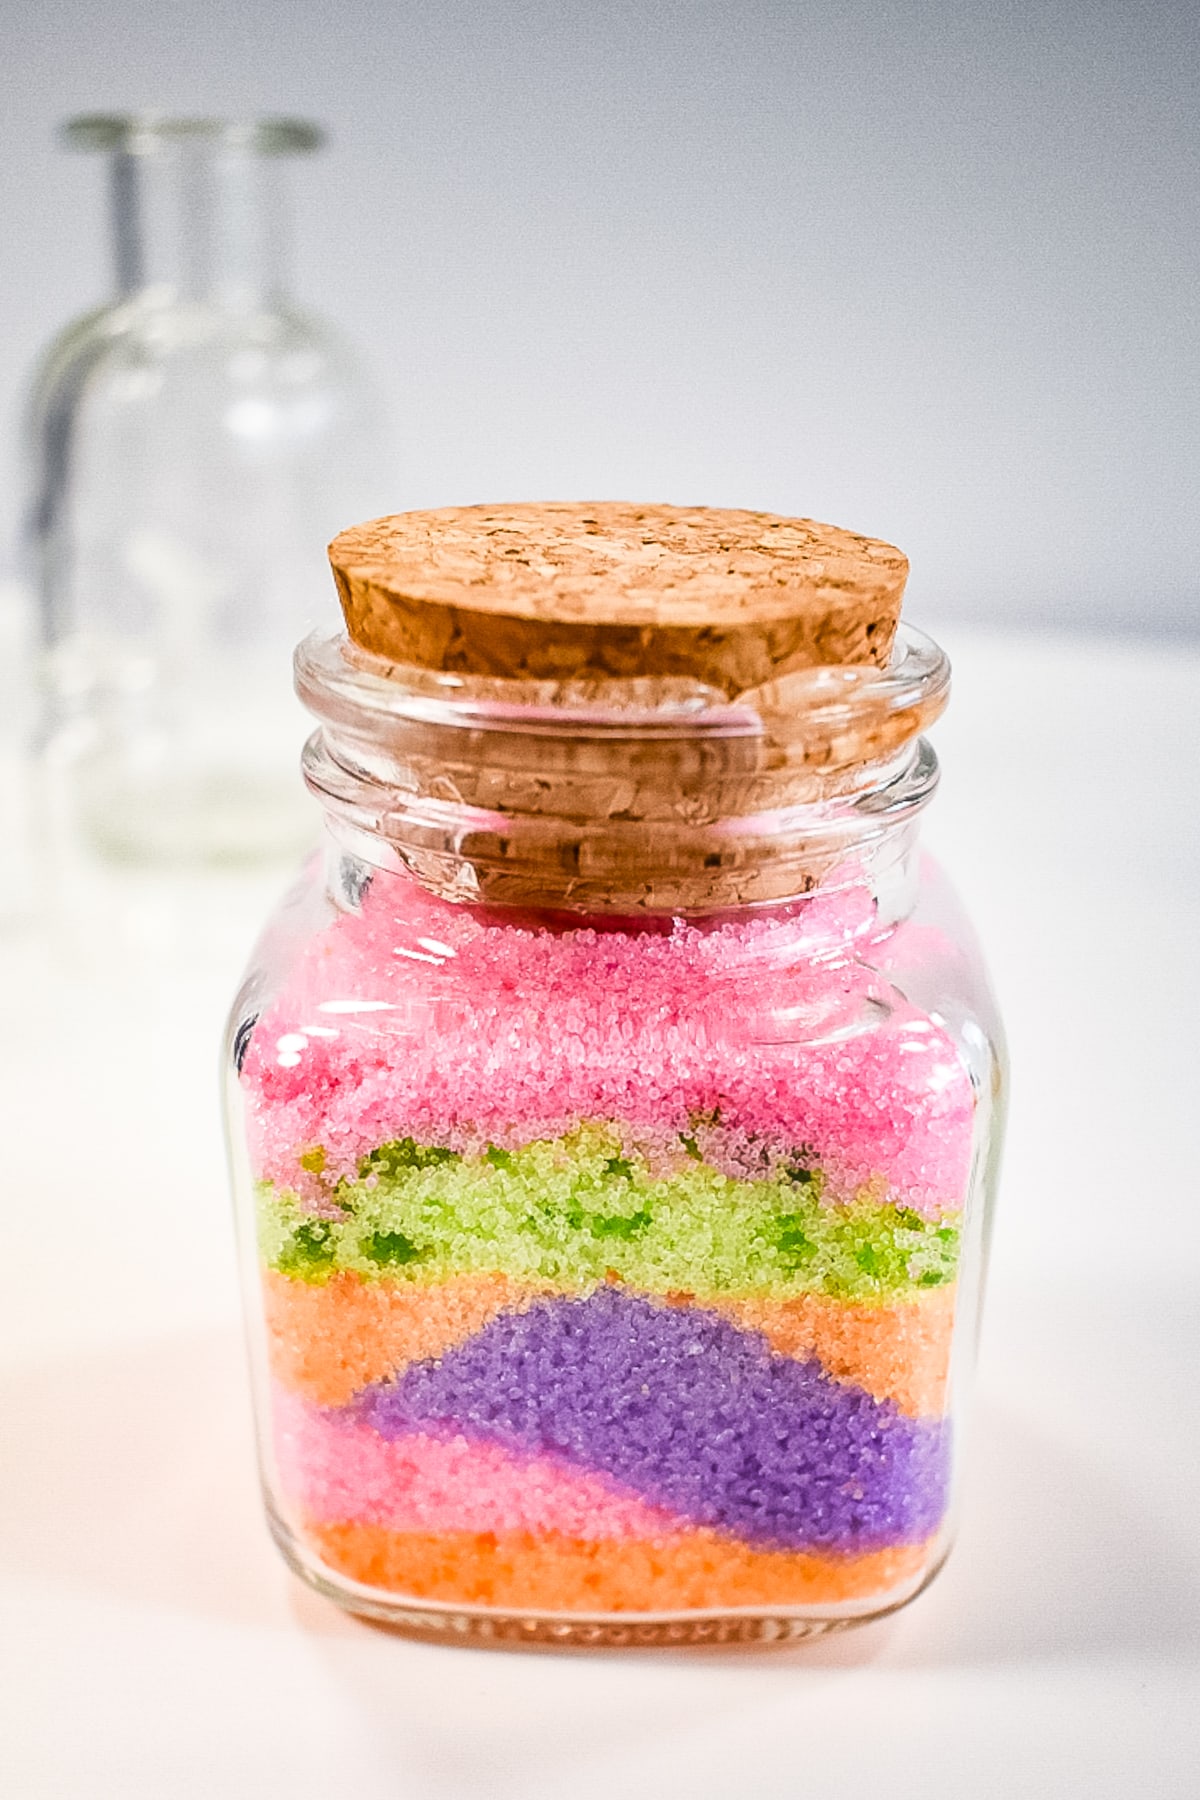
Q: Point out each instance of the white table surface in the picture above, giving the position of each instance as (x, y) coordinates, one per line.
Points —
(152, 1642)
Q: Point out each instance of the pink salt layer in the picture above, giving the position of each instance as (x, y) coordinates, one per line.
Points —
(421, 1019)
(332, 1470)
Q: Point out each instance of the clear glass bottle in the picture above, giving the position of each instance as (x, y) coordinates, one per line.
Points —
(615, 1110)
(192, 445)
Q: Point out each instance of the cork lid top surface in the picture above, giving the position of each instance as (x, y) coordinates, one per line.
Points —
(616, 589)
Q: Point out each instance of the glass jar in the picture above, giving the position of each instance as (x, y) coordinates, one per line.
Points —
(191, 445)
(615, 1110)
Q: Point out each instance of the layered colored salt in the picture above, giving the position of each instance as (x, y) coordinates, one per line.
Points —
(608, 1270)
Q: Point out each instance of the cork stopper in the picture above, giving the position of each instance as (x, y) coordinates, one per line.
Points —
(584, 591)
(612, 708)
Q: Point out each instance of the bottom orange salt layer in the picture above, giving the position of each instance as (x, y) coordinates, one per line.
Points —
(326, 1341)
(520, 1572)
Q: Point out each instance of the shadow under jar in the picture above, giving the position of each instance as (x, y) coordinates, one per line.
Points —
(614, 1112)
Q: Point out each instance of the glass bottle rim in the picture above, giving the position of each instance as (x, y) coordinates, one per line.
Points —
(345, 685)
(141, 134)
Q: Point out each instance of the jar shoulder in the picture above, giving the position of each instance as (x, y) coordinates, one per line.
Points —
(382, 952)
(303, 914)
(935, 960)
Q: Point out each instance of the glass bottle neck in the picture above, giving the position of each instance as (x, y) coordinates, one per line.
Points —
(628, 798)
(199, 221)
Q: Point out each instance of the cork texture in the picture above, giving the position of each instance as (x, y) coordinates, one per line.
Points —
(563, 590)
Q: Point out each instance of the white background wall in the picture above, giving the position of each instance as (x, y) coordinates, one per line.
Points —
(925, 269)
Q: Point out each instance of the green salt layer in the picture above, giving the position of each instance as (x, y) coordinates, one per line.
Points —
(577, 1209)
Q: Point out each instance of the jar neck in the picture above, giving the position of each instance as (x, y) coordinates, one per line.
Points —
(870, 889)
(644, 800)
(198, 208)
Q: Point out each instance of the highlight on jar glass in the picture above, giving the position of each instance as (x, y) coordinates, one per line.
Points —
(615, 1106)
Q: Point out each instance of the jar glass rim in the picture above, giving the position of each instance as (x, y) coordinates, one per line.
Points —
(342, 684)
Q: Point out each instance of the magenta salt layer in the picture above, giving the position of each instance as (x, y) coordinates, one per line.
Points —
(613, 1270)
(636, 1027)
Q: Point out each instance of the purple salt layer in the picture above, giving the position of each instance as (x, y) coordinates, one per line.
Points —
(689, 1412)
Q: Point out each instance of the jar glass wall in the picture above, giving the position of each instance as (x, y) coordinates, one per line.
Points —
(613, 1271)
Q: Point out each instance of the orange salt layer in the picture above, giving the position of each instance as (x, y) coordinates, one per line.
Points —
(549, 1573)
(899, 1353)
(326, 1341)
